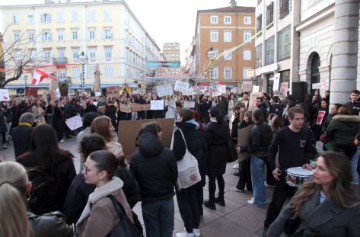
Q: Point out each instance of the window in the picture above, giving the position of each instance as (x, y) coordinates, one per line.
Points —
(213, 19)
(269, 13)
(227, 73)
(75, 53)
(75, 34)
(46, 36)
(47, 54)
(61, 52)
(92, 16)
(107, 15)
(45, 18)
(15, 19)
(269, 51)
(60, 35)
(247, 54)
(284, 43)
(62, 73)
(108, 52)
(227, 19)
(227, 55)
(258, 56)
(227, 36)
(245, 73)
(30, 19)
(259, 24)
(284, 8)
(108, 33)
(76, 72)
(247, 20)
(247, 36)
(31, 36)
(59, 16)
(215, 72)
(92, 52)
(74, 16)
(108, 71)
(16, 36)
(92, 33)
(214, 36)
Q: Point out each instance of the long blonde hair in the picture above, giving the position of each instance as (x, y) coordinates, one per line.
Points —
(340, 190)
(13, 183)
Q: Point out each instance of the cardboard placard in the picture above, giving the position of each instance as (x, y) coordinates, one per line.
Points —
(112, 92)
(74, 122)
(4, 95)
(157, 104)
(164, 90)
(129, 129)
(189, 104)
(181, 86)
(243, 140)
(252, 101)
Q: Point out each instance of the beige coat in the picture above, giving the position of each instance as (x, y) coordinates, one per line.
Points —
(99, 217)
(115, 148)
(39, 113)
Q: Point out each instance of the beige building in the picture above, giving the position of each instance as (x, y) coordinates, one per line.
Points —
(55, 33)
(171, 53)
(221, 30)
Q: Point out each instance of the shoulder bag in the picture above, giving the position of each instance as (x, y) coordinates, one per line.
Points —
(188, 169)
(125, 227)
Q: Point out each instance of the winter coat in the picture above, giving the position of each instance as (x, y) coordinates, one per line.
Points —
(154, 168)
(196, 145)
(50, 186)
(343, 128)
(217, 136)
(115, 148)
(320, 219)
(21, 136)
(3, 126)
(99, 217)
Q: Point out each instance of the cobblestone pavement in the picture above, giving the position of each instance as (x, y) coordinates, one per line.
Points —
(236, 219)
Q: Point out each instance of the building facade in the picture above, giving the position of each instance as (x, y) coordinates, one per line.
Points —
(171, 53)
(228, 32)
(54, 34)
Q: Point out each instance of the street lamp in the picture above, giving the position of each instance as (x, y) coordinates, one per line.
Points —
(211, 55)
(83, 59)
(205, 75)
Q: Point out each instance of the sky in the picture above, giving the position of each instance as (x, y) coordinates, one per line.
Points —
(164, 20)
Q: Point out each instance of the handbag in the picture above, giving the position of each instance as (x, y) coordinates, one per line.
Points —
(125, 227)
(232, 154)
(188, 169)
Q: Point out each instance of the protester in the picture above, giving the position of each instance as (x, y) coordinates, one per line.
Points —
(21, 135)
(38, 112)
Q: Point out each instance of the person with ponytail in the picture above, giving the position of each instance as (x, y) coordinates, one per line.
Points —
(217, 136)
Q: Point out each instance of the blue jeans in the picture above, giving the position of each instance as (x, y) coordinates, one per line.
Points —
(159, 217)
(257, 166)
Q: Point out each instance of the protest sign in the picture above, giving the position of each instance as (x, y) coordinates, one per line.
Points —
(156, 104)
(74, 122)
(4, 95)
(181, 86)
(112, 92)
(164, 90)
(189, 104)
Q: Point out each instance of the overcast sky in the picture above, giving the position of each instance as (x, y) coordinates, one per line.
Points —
(164, 20)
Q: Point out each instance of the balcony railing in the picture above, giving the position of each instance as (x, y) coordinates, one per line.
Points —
(60, 61)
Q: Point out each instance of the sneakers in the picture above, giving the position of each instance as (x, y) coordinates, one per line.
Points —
(196, 232)
(210, 205)
(236, 166)
(235, 189)
(252, 202)
(185, 234)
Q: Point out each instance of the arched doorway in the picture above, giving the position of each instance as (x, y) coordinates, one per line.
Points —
(314, 73)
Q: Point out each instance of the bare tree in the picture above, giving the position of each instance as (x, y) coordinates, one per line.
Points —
(17, 57)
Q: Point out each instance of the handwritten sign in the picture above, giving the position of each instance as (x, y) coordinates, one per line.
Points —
(256, 89)
(284, 88)
(156, 104)
(181, 86)
(164, 90)
(189, 104)
(112, 91)
(4, 95)
(276, 82)
(74, 122)
(125, 108)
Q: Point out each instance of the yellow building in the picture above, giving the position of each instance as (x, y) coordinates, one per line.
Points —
(54, 34)
(221, 30)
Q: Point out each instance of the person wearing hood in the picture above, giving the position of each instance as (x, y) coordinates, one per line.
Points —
(99, 216)
(154, 168)
(190, 199)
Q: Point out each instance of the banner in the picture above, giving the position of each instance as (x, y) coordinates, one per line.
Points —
(156, 64)
(125, 108)
(29, 91)
(74, 122)
(164, 90)
(139, 107)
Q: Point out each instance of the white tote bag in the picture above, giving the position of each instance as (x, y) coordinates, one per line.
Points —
(188, 169)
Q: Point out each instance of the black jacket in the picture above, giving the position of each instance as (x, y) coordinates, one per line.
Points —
(259, 141)
(154, 168)
(21, 136)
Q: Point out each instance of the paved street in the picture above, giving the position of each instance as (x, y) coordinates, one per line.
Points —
(236, 219)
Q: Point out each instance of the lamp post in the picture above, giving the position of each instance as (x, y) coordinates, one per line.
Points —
(205, 75)
(83, 59)
(211, 55)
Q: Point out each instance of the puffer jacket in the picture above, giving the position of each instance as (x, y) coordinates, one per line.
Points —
(343, 129)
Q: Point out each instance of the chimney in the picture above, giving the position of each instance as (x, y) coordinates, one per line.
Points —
(233, 3)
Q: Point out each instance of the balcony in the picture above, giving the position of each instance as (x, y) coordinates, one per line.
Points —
(60, 62)
(66, 80)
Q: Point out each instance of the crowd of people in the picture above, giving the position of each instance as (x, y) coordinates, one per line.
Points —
(271, 135)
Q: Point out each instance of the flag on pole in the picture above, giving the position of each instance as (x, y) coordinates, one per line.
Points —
(39, 76)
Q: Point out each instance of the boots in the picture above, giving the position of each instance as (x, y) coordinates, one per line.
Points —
(220, 199)
(210, 204)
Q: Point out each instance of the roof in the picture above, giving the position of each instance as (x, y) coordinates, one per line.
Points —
(229, 9)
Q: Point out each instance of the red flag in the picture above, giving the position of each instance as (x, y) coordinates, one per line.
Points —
(39, 76)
